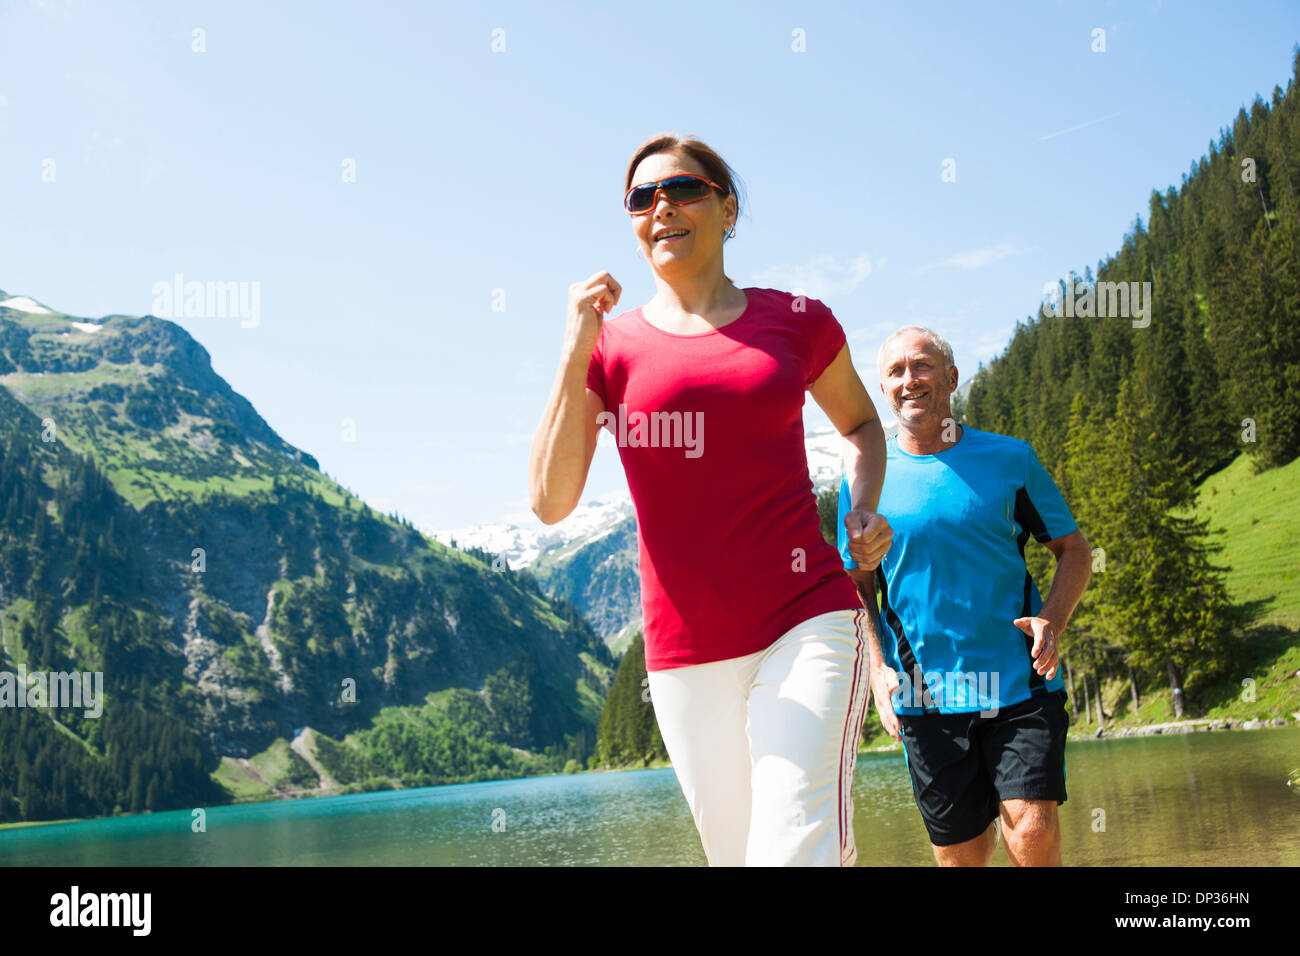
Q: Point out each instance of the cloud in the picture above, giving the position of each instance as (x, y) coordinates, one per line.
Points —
(529, 372)
(949, 325)
(519, 512)
(58, 10)
(100, 148)
(1071, 129)
(427, 488)
(970, 259)
(821, 277)
(151, 167)
(989, 346)
(105, 85)
(874, 333)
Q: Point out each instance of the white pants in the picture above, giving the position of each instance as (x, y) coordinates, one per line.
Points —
(765, 745)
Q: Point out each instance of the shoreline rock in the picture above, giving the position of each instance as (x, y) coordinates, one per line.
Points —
(1184, 727)
(1201, 725)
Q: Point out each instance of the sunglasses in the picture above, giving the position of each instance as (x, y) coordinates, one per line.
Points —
(678, 190)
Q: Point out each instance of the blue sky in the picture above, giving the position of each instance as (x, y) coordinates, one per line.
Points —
(478, 171)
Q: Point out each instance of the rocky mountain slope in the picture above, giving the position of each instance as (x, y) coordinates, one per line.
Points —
(157, 529)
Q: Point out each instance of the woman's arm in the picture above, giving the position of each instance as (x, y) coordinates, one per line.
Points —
(565, 440)
(842, 396)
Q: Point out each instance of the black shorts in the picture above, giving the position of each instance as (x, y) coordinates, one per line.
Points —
(963, 765)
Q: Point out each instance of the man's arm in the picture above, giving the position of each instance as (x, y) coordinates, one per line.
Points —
(884, 681)
(1073, 571)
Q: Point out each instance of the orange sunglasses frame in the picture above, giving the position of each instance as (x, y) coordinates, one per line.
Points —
(658, 184)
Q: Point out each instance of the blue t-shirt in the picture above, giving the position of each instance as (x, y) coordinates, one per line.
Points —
(955, 578)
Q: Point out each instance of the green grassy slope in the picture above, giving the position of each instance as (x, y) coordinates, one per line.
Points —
(1260, 518)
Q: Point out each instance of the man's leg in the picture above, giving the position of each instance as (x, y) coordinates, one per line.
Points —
(1033, 832)
(976, 852)
(953, 788)
(1024, 746)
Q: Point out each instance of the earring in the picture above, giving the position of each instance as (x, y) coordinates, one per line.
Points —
(728, 235)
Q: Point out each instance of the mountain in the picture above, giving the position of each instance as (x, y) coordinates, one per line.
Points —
(158, 531)
(521, 545)
(598, 575)
(139, 393)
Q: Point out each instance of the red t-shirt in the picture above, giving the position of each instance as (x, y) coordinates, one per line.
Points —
(730, 547)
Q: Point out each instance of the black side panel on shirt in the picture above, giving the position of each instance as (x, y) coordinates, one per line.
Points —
(1031, 522)
(906, 656)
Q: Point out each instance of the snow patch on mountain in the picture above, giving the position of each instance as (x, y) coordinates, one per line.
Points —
(825, 450)
(24, 304)
(522, 544)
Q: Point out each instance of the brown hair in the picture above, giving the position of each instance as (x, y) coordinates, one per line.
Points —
(715, 167)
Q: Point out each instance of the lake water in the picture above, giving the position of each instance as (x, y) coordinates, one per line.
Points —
(1217, 798)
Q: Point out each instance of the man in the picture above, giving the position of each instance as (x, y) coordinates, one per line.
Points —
(964, 668)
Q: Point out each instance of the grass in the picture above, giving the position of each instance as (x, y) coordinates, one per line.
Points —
(65, 388)
(238, 781)
(143, 465)
(1263, 685)
(39, 823)
(1259, 515)
(13, 614)
(278, 767)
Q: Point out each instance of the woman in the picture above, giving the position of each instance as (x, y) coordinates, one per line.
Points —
(753, 643)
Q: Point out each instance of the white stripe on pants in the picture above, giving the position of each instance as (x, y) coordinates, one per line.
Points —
(765, 745)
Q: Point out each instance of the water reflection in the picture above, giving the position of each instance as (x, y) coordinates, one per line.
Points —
(1197, 799)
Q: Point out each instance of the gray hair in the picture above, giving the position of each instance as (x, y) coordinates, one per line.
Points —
(937, 340)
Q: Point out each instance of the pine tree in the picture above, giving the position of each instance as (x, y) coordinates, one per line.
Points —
(1161, 597)
(628, 732)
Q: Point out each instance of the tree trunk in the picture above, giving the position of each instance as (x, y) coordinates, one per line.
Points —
(1176, 685)
(1087, 702)
(1132, 684)
(1074, 700)
(1101, 714)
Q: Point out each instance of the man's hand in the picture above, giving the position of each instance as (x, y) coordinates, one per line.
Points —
(1045, 652)
(884, 681)
(869, 537)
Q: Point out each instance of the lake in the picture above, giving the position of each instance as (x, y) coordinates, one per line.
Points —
(1217, 798)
